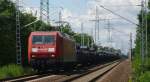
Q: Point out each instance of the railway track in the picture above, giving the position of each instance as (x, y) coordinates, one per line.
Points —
(25, 77)
(87, 74)
(92, 76)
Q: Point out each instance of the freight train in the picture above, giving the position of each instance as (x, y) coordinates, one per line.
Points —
(48, 50)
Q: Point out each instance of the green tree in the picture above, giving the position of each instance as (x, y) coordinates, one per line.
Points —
(137, 61)
(8, 31)
(67, 29)
(87, 39)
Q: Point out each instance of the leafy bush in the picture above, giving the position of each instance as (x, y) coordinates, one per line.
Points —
(145, 77)
(13, 70)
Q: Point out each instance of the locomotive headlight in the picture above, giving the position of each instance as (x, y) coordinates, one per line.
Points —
(33, 56)
(52, 55)
(34, 49)
(51, 49)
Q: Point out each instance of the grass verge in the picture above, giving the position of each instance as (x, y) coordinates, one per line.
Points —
(13, 70)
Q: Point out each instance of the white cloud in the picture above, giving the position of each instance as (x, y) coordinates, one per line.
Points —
(66, 13)
(125, 8)
(32, 10)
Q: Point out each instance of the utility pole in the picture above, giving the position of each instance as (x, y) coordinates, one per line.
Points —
(60, 20)
(109, 32)
(88, 41)
(82, 35)
(142, 35)
(98, 21)
(44, 11)
(92, 35)
(96, 24)
(130, 55)
(18, 37)
(146, 34)
(122, 46)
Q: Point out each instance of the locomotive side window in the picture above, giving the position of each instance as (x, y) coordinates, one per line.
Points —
(47, 39)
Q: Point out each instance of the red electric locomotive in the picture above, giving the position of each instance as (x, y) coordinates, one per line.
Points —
(50, 49)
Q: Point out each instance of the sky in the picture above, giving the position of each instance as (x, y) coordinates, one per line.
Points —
(83, 11)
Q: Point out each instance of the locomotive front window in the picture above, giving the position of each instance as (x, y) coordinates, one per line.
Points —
(37, 40)
(46, 39)
(49, 39)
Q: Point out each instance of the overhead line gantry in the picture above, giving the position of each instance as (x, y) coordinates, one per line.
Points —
(44, 11)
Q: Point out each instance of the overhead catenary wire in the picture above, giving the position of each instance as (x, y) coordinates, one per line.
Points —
(119, 15)
(122, 5)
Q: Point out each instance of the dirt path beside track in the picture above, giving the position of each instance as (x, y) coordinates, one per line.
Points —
(120, 73)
